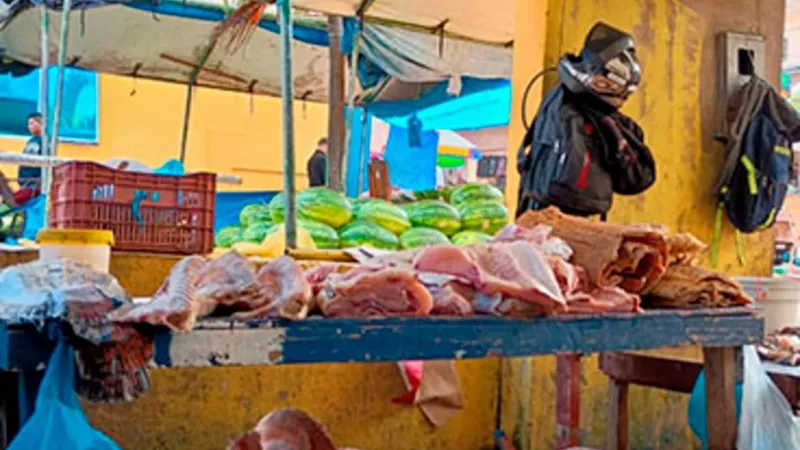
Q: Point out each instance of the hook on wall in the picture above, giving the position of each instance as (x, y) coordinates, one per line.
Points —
(135, 76)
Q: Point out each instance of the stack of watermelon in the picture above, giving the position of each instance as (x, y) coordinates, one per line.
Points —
(473, 214)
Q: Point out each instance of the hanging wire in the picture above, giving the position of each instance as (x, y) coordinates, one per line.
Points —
(527, 92)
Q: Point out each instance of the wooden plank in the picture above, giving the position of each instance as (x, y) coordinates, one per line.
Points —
(651, 371)
(720, 399)
(568, 401)
(347, 340)
(617, 421)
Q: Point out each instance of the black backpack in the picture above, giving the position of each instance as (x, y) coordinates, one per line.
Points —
(575, 156)
(758, 165)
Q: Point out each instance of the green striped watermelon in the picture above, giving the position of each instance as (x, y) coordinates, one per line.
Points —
(277, 208)
(463, 238)
(357, 203)
(471, 192)
(324, 236)
(363, 233)
(487, 216)
(257, 232)
(419, 237)
(434, 214)
(255, 213)
(325, 206)
(228, 236)
(387, 215)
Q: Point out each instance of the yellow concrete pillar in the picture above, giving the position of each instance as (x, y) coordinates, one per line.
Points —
(530, 32)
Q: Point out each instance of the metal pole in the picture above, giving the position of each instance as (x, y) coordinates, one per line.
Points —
(187, 113)
(287, 97)
(62, 56)
(187, 109)
(363, 155)
(336, 97)
(44, 64)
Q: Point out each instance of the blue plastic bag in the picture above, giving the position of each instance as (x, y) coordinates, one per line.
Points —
(58, 421)
(697, 408)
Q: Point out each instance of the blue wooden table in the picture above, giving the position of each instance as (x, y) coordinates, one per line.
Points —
(24, 352)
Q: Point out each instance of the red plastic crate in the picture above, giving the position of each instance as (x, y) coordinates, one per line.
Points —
(146, 212)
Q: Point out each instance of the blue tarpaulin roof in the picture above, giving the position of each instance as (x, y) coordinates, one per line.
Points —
(481, 104)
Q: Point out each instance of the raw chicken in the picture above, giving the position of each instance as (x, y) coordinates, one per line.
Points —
(448, 301)
(517, 270)
(373, 291)
(510, 270)
(317, 275)
(282, 282)
(175, 304)
(449, 260)
(285, 430)
(230, 280)
(539, 236)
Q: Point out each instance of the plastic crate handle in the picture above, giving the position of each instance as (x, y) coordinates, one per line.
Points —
(136, 206)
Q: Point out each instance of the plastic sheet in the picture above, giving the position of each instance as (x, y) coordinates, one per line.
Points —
(58, 422)
(767, 421)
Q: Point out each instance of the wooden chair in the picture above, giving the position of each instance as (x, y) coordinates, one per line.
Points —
(379, 184)
(676, 375)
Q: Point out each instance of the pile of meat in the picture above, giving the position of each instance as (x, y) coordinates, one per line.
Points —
(548, 263)
(782, 347)
(286, 429)
(230, 285)
(642, 259)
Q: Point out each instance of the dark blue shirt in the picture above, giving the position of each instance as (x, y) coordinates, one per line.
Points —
(31, 177)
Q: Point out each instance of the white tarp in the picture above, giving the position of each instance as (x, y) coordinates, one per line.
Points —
(487, 21)
(116, 39)
(419, 57)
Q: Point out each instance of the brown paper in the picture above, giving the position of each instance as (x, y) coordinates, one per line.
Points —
(439, 396)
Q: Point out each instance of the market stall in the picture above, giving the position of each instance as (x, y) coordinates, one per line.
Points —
(279, 342)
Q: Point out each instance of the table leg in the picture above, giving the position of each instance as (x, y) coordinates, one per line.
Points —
(27, 390)
(568, 401)
(9, 408)
(720, 397)
(617, 420)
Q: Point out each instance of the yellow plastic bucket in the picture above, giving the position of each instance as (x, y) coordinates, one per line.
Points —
(92, 247)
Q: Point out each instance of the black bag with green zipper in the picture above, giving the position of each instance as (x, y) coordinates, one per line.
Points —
(758, 165)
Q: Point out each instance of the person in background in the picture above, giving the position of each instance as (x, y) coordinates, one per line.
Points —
(30, 178)
(317, 166)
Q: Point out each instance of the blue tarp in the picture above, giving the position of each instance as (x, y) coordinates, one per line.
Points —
(481, 104)
(229, 204)
(412, 167)
(355, 155)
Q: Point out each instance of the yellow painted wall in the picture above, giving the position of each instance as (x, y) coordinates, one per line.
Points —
(224, 137)
(676, 107)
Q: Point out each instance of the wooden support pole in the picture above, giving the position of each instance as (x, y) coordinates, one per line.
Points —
(720, 397)
(287, 121)
(336, 101)
(63, 40)
(617, 420)
(568, 400)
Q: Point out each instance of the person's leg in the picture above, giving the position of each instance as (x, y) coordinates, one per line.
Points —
(23, 195)
(6, 194)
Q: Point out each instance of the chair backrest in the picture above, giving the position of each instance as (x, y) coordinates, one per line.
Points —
(379, 185)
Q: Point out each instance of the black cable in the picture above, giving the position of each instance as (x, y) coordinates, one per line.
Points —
(527, 92)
